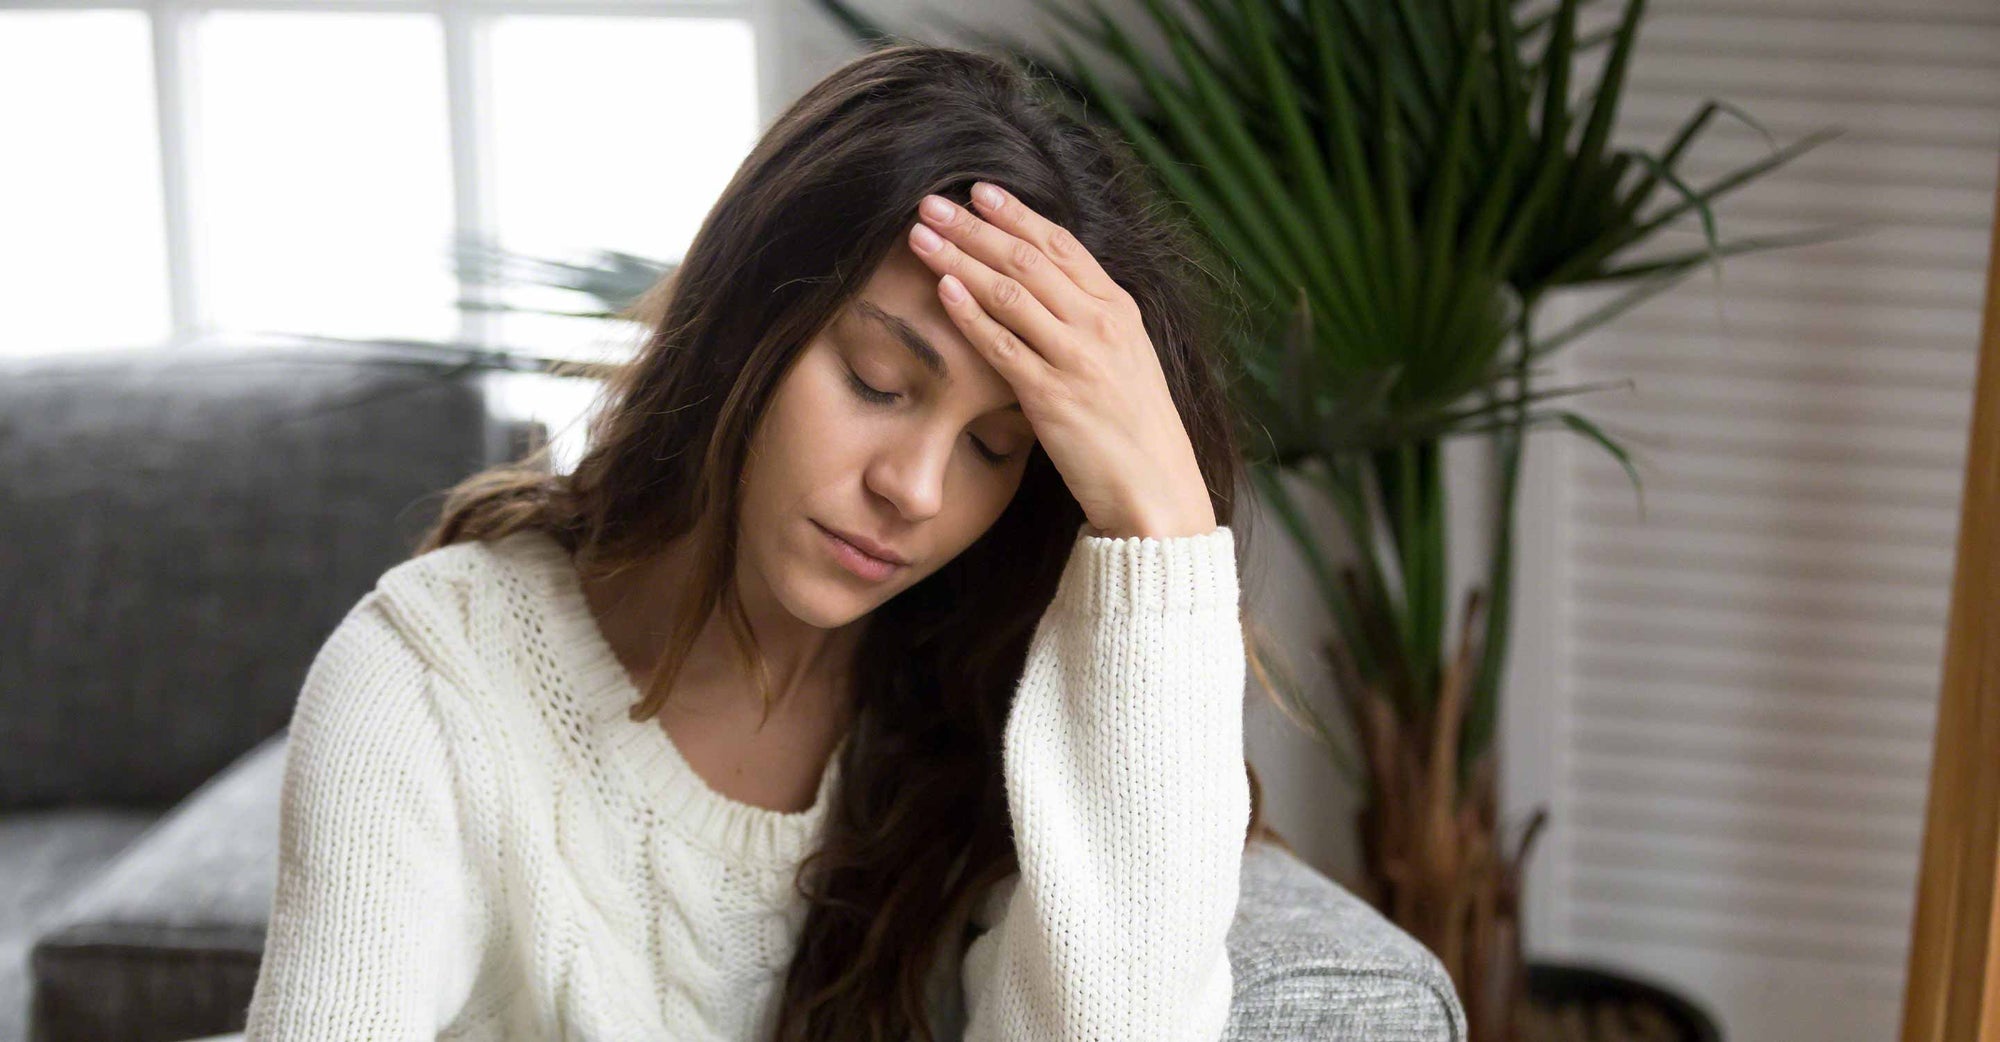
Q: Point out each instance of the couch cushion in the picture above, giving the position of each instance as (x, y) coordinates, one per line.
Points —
(165, 942)
(1312, 960)
(184, 528)
(44, 857)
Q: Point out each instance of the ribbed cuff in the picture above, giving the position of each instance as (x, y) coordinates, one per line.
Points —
(1190, 573)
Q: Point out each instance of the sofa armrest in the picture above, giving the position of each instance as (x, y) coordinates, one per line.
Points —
(165, 941)
(1313, 961)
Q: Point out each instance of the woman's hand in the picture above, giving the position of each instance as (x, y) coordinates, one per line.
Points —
(1071, 341)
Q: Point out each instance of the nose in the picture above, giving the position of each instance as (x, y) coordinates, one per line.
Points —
(909, 472)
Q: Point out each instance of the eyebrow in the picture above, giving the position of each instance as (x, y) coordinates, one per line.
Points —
(907, 335)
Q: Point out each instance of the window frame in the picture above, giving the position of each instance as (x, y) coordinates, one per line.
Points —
(466, 30)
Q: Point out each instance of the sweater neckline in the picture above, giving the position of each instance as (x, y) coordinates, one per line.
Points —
(641, 750)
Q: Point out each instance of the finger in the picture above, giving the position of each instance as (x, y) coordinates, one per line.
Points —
(1016, 258)
(1021, 365)
(1000, 296)
(1019, 219)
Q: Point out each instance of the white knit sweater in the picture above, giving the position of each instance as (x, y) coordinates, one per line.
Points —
(477, 842)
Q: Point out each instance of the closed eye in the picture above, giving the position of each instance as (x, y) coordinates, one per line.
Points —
(878, 397)
(869, 393)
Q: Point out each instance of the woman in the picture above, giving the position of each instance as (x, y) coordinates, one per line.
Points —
(877, 672)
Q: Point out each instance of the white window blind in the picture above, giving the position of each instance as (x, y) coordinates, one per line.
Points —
(1745, 680)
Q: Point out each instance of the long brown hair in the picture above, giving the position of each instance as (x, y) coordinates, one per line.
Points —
(919, 827)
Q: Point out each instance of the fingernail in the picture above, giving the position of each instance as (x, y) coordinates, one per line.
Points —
(987, 195)
(925, 239)
(954, 290)
(935, 208)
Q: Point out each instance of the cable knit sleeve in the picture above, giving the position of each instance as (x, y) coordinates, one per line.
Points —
(1123, 759)
(370, 874)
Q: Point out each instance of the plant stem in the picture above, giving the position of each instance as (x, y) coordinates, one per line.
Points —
(1511, 442)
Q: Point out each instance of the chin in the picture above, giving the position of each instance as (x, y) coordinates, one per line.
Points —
(829, 609)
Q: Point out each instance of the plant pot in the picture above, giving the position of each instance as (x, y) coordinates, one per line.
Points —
(1582, 1003)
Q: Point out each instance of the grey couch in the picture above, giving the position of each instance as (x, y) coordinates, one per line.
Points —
(178, 535)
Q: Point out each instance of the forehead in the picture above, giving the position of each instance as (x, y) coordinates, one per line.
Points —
(899, 309)
(907, 286)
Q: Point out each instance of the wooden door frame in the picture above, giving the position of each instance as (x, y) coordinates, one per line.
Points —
(1953, 989)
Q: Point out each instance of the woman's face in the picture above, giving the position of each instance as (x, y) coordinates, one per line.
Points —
(863, 437)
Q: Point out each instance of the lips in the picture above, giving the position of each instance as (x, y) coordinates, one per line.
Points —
(867, 546)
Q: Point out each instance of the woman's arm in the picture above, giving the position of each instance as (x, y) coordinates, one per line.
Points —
(1129, 802)
(371, 885)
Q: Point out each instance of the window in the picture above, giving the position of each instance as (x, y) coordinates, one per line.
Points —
(83, 244)
(248, 168)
